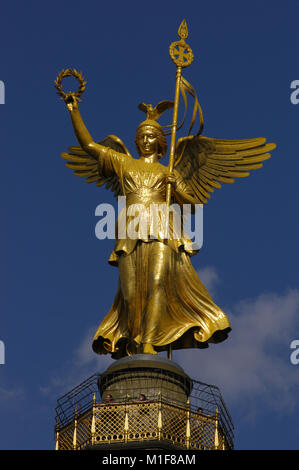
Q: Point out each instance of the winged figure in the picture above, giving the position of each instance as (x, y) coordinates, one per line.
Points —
(160, 300)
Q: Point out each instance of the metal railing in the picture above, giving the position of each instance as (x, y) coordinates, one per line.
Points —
(144, 421)
(201, 422)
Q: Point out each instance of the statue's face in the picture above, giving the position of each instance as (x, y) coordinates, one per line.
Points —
(147, 141)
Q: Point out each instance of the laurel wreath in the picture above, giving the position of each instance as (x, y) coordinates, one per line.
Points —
(70, 73)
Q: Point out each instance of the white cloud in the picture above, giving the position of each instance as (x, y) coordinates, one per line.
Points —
(209, 277)
(87, 359)
(83, 364)
(10, 394)
(254, 363)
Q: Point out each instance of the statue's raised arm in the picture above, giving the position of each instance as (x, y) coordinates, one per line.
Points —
(98, 162)
(84, 138)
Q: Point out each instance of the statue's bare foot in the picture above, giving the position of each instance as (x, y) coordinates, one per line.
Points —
(148, 349)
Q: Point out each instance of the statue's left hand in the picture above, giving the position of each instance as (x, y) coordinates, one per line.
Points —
(173, 179)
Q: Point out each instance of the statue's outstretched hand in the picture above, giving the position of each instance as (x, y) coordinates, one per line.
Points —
(71, 101)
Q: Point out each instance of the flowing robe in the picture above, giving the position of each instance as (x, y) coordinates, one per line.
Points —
(160, 299)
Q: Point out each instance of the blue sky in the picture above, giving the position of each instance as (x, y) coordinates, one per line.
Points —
(55, 280)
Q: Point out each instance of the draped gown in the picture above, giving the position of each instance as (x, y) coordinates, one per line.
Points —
(160, 299)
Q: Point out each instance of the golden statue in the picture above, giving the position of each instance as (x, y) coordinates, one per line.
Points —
(160, 303)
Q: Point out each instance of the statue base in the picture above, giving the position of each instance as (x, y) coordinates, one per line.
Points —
(143, 401)
(145, 376)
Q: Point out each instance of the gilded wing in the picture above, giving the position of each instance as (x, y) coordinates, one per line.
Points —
(204, 162)
(87, 167)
